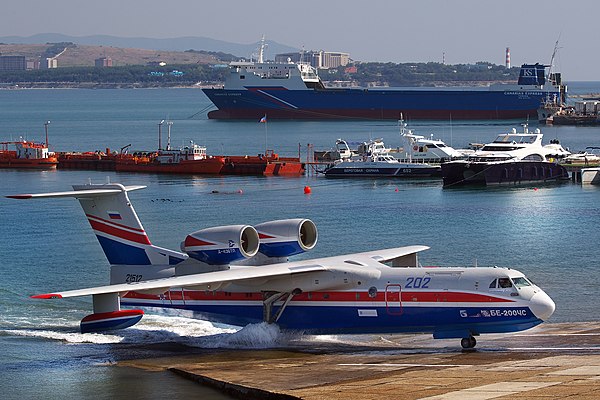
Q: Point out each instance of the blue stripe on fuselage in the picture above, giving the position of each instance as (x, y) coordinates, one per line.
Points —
(344, 319)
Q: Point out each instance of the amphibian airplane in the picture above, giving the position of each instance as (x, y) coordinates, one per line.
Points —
(240, 274)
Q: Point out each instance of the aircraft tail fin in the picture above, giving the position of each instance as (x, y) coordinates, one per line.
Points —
(116, 224)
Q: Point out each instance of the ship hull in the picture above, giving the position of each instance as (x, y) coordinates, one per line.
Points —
(240, 165)
(212, 166)
(373, 170)
(220, 165)
(503, 173)
(43, 163)
(418, 103)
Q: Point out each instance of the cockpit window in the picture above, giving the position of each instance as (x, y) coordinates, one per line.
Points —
(504, 283)
(493, 284)
(520, 282)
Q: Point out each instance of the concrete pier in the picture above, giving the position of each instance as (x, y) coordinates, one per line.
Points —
(553, 361)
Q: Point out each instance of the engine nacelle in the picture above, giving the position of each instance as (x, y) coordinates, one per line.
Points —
(222, 244)
(286, 237)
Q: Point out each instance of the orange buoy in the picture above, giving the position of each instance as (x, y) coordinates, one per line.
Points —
(307, 190)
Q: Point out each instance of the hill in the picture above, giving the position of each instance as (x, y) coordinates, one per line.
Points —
(172, 44)
(77, 55)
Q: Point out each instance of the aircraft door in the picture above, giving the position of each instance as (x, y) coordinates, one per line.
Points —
(393, 299)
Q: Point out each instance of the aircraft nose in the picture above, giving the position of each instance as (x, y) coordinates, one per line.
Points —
(542, 305)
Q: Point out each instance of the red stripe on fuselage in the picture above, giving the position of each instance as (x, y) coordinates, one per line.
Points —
(120, 233)
(359, 297)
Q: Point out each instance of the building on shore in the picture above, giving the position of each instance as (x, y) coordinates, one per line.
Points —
(51, 63)
(103, 62)
(318, 59)
(12, 63)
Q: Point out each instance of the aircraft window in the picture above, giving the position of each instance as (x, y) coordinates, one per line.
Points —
(520, 282)
(493, 284)
(504, 283)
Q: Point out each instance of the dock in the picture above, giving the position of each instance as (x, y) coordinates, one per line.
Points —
(553, 361)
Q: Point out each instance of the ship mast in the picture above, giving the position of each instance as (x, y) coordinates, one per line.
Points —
(261, 50)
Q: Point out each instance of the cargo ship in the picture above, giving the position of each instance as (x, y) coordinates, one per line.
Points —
(295, 91)
(26, 155)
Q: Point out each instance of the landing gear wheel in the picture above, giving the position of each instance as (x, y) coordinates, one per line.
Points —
(468, 343)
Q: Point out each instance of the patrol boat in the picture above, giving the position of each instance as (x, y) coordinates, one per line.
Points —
(374, 160)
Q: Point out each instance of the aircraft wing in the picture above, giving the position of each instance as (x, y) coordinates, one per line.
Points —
(359, 265)
(375, 257)
(234, 275)
(386, 255)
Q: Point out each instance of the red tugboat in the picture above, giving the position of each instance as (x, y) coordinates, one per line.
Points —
(26, 155)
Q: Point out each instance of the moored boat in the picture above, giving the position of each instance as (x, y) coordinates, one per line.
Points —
(295, 91)
(422, 149)
(589, 157)
(583, 113)
(268, 164)
(590, 176)
(190, 159)
(511, 159)
(374, 160)
(26, 154)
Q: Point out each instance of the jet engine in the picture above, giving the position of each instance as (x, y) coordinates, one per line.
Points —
(222, 245)
(286, 237)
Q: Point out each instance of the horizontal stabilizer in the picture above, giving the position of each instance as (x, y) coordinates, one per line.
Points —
(75, 193)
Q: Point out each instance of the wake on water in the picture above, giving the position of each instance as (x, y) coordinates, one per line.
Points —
(166, 326)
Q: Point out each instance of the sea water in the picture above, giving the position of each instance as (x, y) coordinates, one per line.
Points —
(548, 232)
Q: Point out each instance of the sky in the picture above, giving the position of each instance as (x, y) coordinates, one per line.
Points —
(461, 31)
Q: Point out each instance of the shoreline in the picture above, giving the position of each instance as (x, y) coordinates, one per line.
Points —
(552, 361)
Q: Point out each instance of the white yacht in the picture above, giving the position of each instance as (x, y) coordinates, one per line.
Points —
(422, 149)
(512, 158)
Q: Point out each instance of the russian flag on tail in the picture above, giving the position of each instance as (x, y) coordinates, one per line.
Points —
(114, 215)
(263, 119)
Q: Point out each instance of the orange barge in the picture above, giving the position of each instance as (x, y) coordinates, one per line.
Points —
(269, 164)
(187, 160)
(26, 155)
